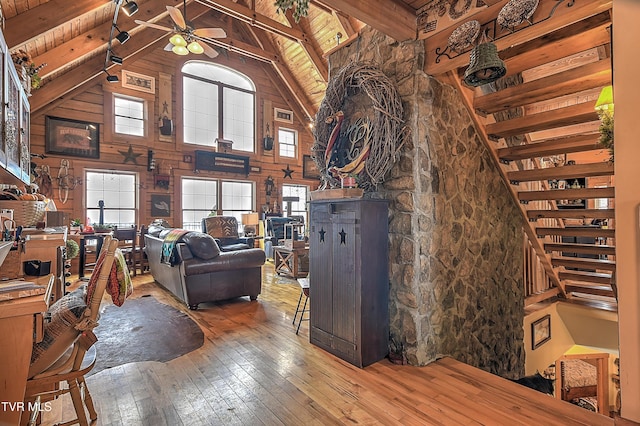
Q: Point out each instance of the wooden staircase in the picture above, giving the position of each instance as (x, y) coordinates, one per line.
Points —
(542, 128)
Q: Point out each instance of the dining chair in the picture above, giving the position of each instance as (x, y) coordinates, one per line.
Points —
(128, 238)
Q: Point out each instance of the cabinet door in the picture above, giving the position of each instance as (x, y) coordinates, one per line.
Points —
(321, 269)
(24, 139)
(4, 57)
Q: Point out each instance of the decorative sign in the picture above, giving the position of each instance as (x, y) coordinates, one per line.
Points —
(165, 102)
(75, 138)
(221, 162)
(160, 205)
(283, 115)
(135, 81)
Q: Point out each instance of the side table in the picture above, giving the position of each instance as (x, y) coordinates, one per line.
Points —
(291, 262)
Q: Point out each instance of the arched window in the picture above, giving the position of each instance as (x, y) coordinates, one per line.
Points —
(218, 103)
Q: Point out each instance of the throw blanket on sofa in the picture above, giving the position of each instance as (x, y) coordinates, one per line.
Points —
(169, 255)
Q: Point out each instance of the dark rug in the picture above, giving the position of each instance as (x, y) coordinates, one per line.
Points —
(143, 330)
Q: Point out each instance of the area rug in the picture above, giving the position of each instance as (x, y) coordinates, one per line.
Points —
(143, 330)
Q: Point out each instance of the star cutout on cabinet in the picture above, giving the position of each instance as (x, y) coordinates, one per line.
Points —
(322, 232)
(288, 172)
(343, 236)
(129, 155)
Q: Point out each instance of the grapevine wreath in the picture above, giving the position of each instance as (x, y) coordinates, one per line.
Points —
(363, 98)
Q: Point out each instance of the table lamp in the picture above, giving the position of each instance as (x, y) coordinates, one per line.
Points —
(250, 222)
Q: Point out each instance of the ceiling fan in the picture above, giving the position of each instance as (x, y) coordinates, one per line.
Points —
(186, 37)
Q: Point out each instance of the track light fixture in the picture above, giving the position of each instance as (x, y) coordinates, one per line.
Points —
(115, 59)
(122, 36)
(130, 8)
(111, 78)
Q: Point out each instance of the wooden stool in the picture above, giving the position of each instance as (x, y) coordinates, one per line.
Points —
(304, 291)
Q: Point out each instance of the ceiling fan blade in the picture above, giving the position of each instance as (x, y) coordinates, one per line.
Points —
(210, 32)
(177, 17)
(151, 25)
(208, 50)
(169, 47)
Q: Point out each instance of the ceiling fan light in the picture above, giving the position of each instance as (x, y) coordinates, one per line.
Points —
(130, 8)
(194, 47)
(180, 50)
(178, 40)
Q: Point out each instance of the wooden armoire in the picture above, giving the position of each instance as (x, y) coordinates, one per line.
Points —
(349, 278)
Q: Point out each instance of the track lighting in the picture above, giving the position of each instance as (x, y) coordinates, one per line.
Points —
(130, 8)
(122, 36)
(115, 59)
(111, 78)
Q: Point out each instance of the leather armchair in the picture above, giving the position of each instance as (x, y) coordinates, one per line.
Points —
(224, 229)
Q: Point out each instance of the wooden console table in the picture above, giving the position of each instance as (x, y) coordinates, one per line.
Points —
(293, 263)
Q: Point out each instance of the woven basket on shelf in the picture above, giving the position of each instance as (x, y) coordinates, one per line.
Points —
(26, 213)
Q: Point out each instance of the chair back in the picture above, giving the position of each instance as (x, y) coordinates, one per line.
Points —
(221, 227)
(126, 236)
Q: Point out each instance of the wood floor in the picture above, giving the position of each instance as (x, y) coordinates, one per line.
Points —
(253, 370)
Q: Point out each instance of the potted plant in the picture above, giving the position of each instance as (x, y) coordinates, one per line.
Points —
(76, 226)
(102, 229)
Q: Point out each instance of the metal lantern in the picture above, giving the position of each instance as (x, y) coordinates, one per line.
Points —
(485, 65)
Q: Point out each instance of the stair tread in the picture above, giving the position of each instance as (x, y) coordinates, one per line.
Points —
(567, 194)
(610, 306)
(573, 213)
(563, 172)
(577, 231)
(580, 260)
(581, 248)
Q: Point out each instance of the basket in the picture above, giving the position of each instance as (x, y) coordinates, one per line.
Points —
(26, 213)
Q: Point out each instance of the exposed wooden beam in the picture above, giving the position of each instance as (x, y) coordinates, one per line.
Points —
(96, 39)
(560, 117)
(90, 70)
(46, 17)
(251, 17)
(596, 74)
(563, 16)
(311, 48)
(393, 18)
(556, 146)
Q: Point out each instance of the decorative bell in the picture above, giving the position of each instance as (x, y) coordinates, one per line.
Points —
(485, 66)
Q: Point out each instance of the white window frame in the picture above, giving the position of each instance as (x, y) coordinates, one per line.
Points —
(143, 120)
(282, 144)
(92, 211)
(298, 208)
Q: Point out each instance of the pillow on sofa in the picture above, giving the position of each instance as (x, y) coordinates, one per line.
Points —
(201, 245)
(60, 332)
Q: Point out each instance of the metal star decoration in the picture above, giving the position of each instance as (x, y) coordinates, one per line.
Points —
(288, 172)
(129, 155)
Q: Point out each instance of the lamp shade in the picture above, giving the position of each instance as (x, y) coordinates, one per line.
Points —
(177, 40)
(605, 100)
(250, 218)
(123, 37)
(130, 8)
(194, 47)
(180, 50)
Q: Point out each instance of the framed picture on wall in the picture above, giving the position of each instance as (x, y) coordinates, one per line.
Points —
(540, 331)
(283, 115)
(74, 138)
(135, 81)
(160, 205)
(309, 168)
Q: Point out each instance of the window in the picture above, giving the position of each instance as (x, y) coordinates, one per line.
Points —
(287, 142)
(118, 190)
(201, 196)
(129, 115)
(218, 102)
(298, 208)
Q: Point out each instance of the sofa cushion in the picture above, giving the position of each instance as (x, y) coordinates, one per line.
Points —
(201, 245)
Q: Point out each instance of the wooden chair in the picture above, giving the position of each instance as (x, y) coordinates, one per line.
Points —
(79, 358)
(142, 261)
(584, 375)
(128, 238)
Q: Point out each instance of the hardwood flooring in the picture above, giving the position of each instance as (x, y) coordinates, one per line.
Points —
(254, 370)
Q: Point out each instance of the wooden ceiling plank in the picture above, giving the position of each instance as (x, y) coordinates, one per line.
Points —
(575, 80)
(556, 146)
(559, 117)
(310, 49)
(393, 18)
(564, 16)
(46, 17)
(251, 17)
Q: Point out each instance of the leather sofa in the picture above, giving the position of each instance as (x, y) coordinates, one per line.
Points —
(203, 273)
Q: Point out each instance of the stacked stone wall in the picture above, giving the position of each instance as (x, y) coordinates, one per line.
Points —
(456, 257)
